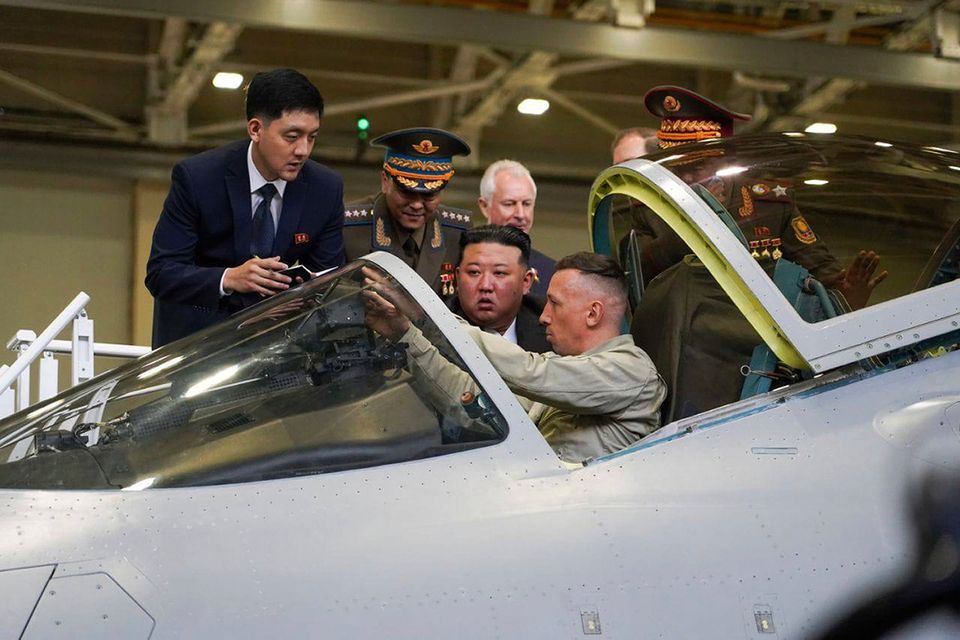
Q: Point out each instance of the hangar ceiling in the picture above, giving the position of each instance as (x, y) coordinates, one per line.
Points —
(135, 74)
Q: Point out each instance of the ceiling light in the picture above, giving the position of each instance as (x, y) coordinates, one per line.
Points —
(226, 80)
(939, 150)
(955, 167)
(882, 144)
(533, 106)
(815, 182)
(793, 134)
(821, 127)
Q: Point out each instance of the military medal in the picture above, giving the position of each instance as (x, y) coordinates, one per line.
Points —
(765, 243)
(776, 253)
(447, 286)
(754, 244)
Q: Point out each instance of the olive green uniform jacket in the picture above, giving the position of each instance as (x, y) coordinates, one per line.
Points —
(368, 227)
(766, 214)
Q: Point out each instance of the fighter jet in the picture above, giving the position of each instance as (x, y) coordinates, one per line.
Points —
(291, 473)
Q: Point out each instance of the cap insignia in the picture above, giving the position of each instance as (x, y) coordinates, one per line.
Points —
(671, 104)
(406, 182)
(425, 147)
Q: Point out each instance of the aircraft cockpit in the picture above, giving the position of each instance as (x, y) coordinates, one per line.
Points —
(756, 264)
(759, 261)
(298, 385)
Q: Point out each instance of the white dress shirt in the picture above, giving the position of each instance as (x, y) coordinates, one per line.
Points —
(257, 181)
(511, 332)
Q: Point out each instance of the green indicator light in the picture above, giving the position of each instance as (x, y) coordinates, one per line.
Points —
(362, 123)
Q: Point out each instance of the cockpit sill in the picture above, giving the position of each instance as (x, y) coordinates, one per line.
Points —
(821, 383)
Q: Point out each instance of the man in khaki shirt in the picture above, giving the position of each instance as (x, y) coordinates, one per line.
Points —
(594, 394)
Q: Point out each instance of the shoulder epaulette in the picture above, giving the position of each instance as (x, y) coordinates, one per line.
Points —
(453, 217)
(356, 215)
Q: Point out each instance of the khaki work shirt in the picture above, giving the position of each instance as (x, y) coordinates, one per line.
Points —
(585, 406)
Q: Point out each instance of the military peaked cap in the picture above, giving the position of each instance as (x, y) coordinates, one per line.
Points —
(686, 116)
(420, 159)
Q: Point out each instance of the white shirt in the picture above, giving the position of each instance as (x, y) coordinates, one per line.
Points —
(511, 332)
(257, 181)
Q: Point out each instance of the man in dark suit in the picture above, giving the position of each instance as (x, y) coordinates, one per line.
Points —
(508, 195)
(493, 286)
(237, 215)
(406, 218)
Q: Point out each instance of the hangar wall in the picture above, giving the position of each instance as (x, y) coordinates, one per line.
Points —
(63, 234)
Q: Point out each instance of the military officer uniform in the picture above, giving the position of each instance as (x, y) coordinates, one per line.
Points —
(763, 209)
(774, 228)
(418, 161)
(692, 331)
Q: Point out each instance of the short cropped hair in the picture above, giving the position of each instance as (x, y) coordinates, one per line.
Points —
(498, 234)
(512, 167)
(271, 93)
(649, 138)
(607, 270)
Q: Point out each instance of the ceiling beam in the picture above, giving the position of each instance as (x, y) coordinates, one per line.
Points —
(167, 117)
(363, 104)
(463, 69)
(87, 54)
(514, 31)
(218, 40)
(581, 112)
(122, 128)
(822, 97)
(533, 73)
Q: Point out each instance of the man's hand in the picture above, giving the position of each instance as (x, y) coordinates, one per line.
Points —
(383, 315)
(257, 275)
(857, 281)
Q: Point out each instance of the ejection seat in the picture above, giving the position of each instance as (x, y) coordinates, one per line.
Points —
(700, 342)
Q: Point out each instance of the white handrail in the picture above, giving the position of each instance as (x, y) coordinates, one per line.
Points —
(106, 349)
(40, 344)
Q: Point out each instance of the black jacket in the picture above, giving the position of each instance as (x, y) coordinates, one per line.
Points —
(531, 335)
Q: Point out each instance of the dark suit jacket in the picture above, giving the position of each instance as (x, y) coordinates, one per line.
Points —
(531, 335)
(545, 266)
(205, 228)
